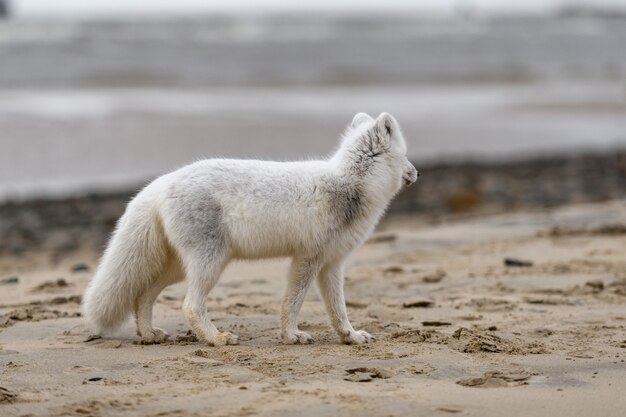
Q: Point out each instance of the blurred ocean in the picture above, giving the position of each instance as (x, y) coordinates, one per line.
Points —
(88, 106)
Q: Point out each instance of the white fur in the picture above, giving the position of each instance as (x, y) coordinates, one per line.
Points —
(192, 222)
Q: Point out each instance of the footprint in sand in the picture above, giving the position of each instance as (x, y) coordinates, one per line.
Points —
(79, 370)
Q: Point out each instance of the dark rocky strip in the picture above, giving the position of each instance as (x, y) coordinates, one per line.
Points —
(443, 190)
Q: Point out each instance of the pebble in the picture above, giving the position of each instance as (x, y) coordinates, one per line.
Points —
(436, 323)
(517, 262)
(394, 269)
(356, 304)
(382, 238)
(418, 304)
(595, 285)
(9, 280)
(434, 277)
(80, 267)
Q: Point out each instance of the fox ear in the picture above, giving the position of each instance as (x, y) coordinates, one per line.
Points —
(385, 125)
(361, 118)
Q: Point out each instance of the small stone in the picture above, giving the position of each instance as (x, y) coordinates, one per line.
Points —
(517, 262)
(9, 280)
(80, 267)
(382, 238)
(436, 323)
(450, 410)
(418, 304)
(76, 299)
(356, 304)
(434, 278)
(595, 285)
(52, 285)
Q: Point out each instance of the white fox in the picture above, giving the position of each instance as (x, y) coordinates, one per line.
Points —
(192, 222)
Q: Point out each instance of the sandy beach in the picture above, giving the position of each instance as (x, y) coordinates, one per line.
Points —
(511, 314)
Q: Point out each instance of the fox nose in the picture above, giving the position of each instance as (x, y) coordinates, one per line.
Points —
(409, 179)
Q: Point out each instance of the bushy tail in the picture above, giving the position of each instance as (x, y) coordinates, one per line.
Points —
(134, 256)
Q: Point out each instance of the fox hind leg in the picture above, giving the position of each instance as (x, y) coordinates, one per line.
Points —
(172, 274)
(203, 271)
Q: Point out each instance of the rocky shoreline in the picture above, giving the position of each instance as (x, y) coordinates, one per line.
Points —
(444, 190)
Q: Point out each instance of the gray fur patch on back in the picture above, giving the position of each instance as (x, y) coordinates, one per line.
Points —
(200, 220)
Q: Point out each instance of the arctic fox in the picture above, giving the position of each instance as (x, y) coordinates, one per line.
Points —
(190, 223)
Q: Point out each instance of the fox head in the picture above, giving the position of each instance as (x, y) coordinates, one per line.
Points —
(378, 146)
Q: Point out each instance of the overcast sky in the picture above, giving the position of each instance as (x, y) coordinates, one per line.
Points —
(83, 8)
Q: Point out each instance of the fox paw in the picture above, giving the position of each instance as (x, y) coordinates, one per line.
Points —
(297, 337)
(154, 336)
(223, 339)
(357, 337)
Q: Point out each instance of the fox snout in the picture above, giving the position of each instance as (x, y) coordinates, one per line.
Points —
(410, 175)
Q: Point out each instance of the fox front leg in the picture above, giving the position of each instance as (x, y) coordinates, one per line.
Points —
(331, 281)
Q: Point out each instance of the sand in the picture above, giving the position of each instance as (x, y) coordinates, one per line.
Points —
(458, 331)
